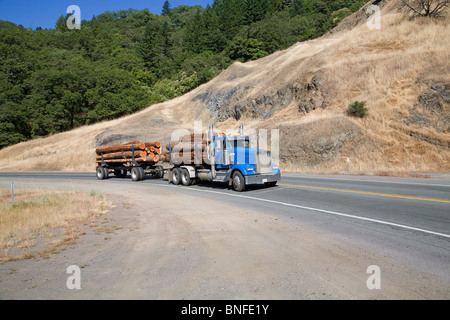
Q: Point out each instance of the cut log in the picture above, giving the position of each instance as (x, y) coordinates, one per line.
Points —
(122, 155)
(172, 145)
(120, 148)
(153, 144)
(155, 158)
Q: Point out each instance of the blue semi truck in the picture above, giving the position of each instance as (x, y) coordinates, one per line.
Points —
(230, 160)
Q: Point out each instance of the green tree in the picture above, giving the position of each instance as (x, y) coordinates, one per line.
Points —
(245, 49)
(166, 9)
(254, 10)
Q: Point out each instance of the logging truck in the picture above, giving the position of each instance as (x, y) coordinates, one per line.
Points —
(194, 158)
(221, 158)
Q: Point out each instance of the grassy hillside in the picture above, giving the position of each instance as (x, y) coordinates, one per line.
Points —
(400, 71)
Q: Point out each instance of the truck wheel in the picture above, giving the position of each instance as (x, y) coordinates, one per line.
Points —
(135, 174)
(270, 184)
(176, 176)
(141, 174)
(101, 173)
(159, 172)
(185, 177)
(238, 181)
(106, 171)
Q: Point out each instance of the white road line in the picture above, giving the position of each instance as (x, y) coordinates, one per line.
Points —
(318, 210)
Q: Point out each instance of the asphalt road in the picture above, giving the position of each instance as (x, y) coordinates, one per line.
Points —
(405, 218)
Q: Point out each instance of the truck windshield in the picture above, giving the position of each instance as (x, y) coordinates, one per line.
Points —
(239, 144)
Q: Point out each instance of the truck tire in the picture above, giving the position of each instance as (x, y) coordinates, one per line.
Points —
(270, 184)
(176, 176)
(136, 174)
(238, 181)
(159, 172)
(101, 173)
(141, 174)
(185, 177)
(106, 171)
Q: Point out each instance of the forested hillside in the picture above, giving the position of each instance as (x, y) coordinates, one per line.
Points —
(121, 62)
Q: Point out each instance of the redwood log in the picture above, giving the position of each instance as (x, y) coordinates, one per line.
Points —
(155, 158)
(122, 155)
(120, 148)
(153, 144)
(172, 145)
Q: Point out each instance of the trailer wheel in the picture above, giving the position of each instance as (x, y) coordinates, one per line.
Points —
(176, 176)
(136, 174)
(159, 172)
(238, 181)
(101, 173)
(185, 177)
(106, 172)
(141, 173)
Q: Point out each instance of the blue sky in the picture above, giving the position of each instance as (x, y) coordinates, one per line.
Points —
(44, 13)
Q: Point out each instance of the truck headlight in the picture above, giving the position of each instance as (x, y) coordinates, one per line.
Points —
(250, 169)
(274, 167)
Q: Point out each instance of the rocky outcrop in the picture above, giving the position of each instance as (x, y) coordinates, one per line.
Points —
(432, 108)
(325, 140)
(234, 103)
(435, 98)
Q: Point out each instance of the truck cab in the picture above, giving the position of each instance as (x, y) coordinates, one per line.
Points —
(242, 164)
(228, 159)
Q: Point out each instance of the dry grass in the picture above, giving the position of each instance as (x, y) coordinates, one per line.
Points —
(37, 214)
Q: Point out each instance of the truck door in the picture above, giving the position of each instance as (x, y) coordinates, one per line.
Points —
(222, 158)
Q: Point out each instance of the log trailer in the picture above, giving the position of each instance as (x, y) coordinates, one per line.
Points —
(136, 158)
(227, 159)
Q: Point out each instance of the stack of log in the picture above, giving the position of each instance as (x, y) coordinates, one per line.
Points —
(189, 149)
(123, 153)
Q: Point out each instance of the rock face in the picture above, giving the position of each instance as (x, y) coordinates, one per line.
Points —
(432, 108)
(309, 94)
(435, 98)
(321, 141)
(108, 138)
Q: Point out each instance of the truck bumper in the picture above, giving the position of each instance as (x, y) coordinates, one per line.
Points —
(262, 178)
